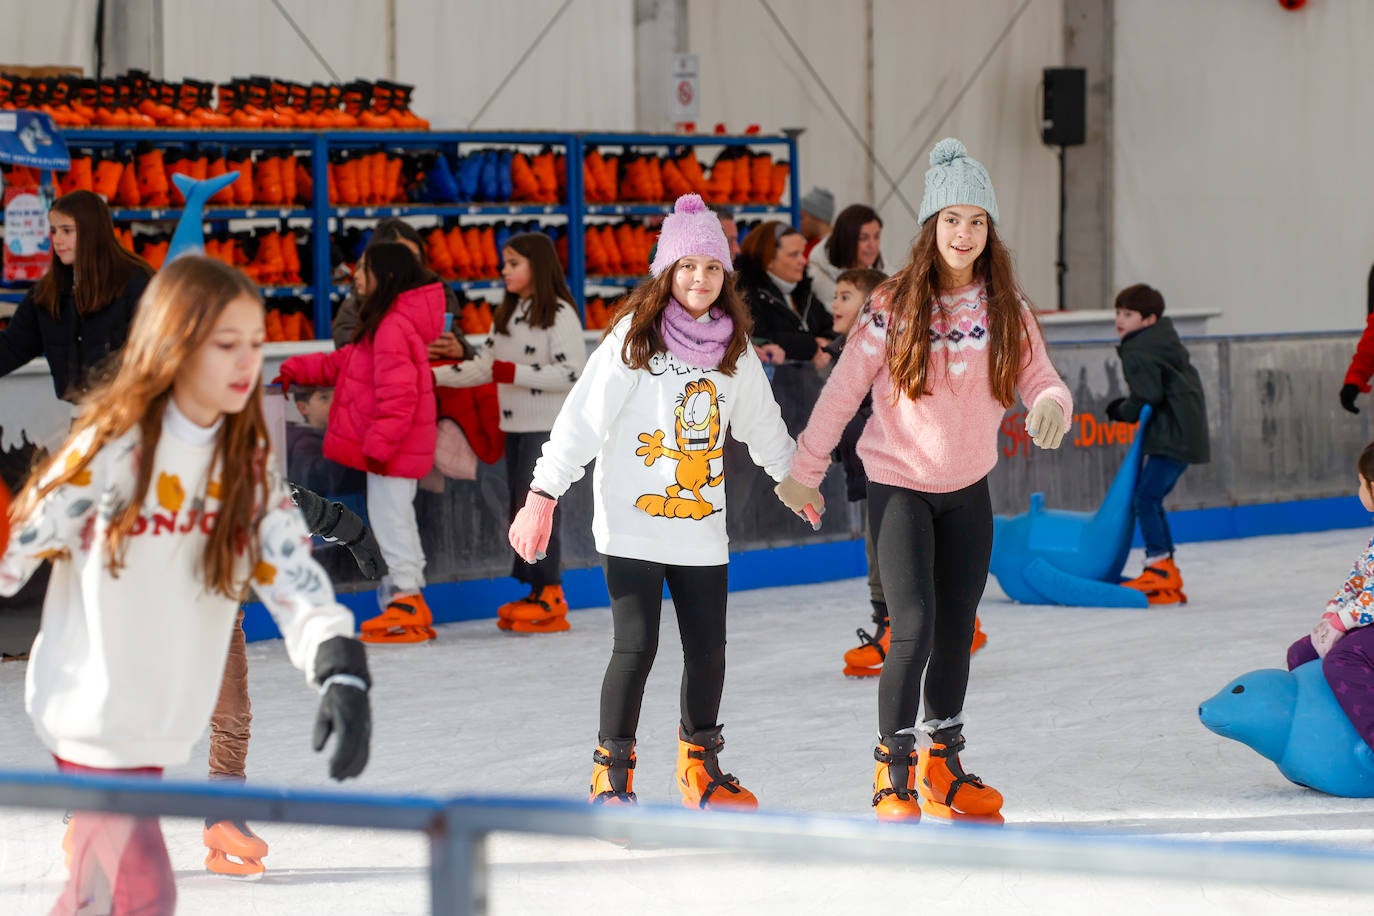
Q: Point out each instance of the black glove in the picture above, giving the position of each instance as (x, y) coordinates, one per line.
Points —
(335, 522)
(1348, 393)
(1114, 410)
(345, 712)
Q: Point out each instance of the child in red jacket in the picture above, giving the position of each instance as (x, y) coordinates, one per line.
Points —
(383, 421)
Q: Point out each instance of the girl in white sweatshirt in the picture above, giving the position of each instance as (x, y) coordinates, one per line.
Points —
(158, 513)
(675, 370)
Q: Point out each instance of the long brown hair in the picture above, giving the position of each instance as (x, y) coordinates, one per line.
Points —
(546, 275)
(176, 316)
(910, 296)
(842, 250)
(392, 269)
(103, 265)
(645, 304)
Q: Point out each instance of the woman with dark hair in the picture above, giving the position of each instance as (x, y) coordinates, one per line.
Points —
(81, 310)
(854, 243)
(772, 279)
(535, 353)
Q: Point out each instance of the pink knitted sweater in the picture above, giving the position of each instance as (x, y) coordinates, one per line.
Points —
(939, 443)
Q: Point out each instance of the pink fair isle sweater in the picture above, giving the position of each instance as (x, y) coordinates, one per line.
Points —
(939, 443)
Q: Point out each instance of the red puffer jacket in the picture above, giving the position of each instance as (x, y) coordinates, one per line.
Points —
(383, 416)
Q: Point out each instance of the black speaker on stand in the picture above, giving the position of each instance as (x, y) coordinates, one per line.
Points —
(1064, 124)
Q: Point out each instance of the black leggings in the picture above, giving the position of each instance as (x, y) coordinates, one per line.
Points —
(699, 596)
(522, 451)
(933, 552)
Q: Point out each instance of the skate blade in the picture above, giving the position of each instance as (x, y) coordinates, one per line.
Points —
(217, 862)
(398, 636)
(857, 673)
(945, 814)
(549, 625)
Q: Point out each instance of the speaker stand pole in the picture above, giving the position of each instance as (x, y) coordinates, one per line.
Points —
(1060, 267)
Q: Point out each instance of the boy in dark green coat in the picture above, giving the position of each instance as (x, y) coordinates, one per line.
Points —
(1159, 373)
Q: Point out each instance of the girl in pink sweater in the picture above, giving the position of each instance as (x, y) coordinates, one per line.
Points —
(944, 346)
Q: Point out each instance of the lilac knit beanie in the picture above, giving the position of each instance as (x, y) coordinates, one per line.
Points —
(690, 229)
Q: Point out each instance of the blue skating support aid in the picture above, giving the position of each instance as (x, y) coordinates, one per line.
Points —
(1293, 719)
(189, 235)
(1073, 553)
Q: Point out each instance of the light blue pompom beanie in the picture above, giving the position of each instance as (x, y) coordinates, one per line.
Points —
(955, 178)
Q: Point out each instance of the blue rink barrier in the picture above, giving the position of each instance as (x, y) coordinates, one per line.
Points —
(458, 826)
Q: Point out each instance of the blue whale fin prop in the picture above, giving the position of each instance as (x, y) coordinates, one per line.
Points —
(1293, 719)
(189, 235)
(1054, 556)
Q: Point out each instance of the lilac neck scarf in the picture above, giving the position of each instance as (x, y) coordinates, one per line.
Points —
(696, 343)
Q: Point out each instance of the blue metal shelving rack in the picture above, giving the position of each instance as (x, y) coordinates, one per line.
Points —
(323, 216)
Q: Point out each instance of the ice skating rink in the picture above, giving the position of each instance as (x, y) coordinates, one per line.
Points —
(1085, 719)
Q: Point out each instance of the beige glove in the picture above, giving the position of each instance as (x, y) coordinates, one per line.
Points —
(1045, 423)
(800, 498)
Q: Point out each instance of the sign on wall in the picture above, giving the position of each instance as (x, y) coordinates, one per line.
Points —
(685, 103)
(26, 234)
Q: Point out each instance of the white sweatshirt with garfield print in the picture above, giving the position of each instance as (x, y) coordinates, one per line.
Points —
(125, 671)
(658, 437)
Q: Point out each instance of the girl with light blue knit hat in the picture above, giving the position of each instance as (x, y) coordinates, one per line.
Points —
(944, 346)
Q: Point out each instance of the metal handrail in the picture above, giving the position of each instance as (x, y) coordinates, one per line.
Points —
(457, 828)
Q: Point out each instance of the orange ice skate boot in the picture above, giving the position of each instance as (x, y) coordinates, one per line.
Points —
(613, 773)
(234, 849)
(980, 639)
(866, 659)
(894, 780)
(1161, 582)
(546, 612)
(699, 778)
(946, 790)
(407, 619)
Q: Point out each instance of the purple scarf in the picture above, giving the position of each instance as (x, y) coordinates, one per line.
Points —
(696, 343)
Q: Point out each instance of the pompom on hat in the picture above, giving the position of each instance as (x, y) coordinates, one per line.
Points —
(692, 228)
(955, 178)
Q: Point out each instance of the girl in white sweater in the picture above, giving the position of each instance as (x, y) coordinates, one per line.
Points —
(535, 353)
(159, 513)
(674, 372)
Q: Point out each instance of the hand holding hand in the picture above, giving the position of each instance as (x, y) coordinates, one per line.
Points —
(772, 353)
(345, 712)
(801, 499)
(533, 526)
(1326, 632)
(1348, 395)
(502, 372)
(1045, 423)
(447, 346)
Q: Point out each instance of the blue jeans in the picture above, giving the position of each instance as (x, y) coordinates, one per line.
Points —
(1157, 479)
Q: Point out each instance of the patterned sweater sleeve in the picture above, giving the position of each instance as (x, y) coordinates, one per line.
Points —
(1354, 603)
(1038, 377)
(865, 355)
(586, 419)
(64, 522)
(567, 355)
(292, 585)
(470, 372)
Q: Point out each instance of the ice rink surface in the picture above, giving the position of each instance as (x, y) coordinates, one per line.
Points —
(1085, 719)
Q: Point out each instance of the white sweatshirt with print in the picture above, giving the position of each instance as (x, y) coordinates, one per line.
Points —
(657, 435)
(125, 671)
(547, 361)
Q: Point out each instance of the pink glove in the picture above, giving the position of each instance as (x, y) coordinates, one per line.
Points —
(1326, 632)
(529, 533)
(502, 372)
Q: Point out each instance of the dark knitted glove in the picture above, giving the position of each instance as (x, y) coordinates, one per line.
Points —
(335, 522)
(1114, 410)
(341, 671)
(1348, 395)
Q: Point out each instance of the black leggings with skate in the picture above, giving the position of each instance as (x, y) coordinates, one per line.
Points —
(699, 596)
(933, 552)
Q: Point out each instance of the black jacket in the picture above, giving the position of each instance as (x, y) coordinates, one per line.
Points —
(74, 344)
(1159, 373)
(793, 325)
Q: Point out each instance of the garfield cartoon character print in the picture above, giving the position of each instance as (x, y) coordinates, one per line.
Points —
(697, 435)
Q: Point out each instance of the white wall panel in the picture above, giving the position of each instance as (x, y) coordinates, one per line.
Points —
(57, 33)
(1243, 138)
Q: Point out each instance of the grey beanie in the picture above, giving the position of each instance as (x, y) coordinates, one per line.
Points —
(820, 203)
(955, 178)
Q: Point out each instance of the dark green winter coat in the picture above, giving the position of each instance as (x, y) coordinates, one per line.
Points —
(1159, 373)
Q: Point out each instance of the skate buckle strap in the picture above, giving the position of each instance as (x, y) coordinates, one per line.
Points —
(719, 780)
(947, 750)
(606, 760)
(867, 640)
(904, 794)
(967, 779)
